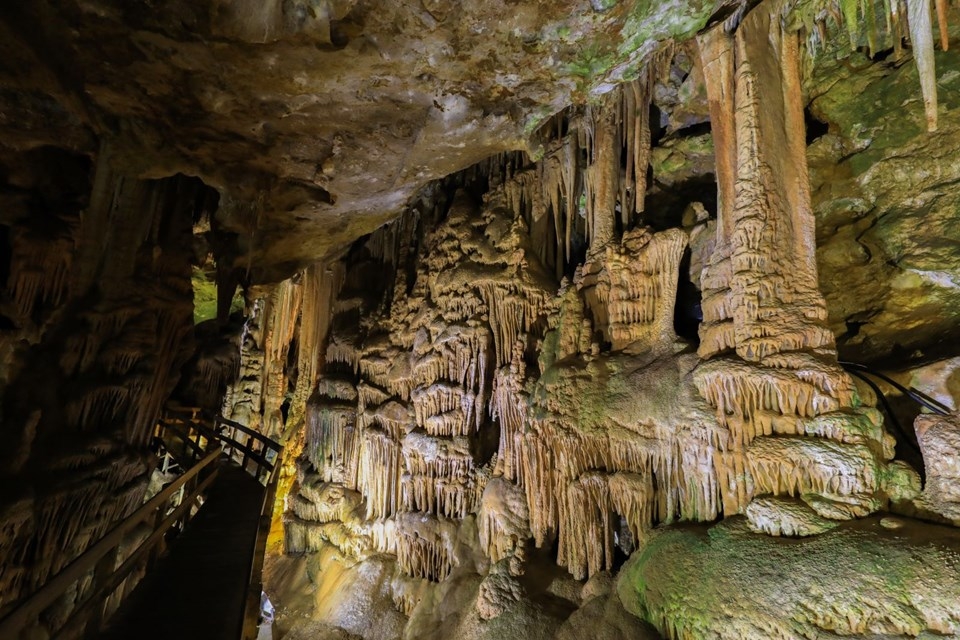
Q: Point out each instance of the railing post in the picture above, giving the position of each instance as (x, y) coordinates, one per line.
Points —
(246, 452)
(157, 550)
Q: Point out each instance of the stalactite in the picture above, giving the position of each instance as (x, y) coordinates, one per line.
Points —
(408, 592)
(40, 268)
(771, 368)
(942, 8)
(508, 406)
(470, 329)
(424, 546)
(921, 36)
(334, 438)
(631, 289)
(919, 25)
(379, 473)
(602, 176)
(319, 285)
(586, 536)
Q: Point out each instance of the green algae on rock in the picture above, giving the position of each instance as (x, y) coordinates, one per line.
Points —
(859, 578)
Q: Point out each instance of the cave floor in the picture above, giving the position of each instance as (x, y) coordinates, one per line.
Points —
(198, 588)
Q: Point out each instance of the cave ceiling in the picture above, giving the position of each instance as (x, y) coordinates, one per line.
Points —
(319, 121)
(316, 120)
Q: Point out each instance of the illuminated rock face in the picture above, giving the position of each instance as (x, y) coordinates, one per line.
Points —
(500, 375)
(939, 438)
(491, 397)
(898, 579)
(771, 368)
(496, 378)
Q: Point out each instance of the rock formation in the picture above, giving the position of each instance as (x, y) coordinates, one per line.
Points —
(550, 305)
(97, 313)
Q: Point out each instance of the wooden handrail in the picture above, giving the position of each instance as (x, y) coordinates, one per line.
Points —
(182, 431)
(271, 443)
(255, 582)
(33, 606)
(116, 578)
(189, 426)
(247, 450)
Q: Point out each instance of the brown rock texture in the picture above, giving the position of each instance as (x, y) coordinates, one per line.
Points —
(939, 438)
(98, 323)
(545, 301)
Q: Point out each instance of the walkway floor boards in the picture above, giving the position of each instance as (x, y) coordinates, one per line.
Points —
(198, 588)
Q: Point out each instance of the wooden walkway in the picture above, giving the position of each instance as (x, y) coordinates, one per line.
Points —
(199, 587)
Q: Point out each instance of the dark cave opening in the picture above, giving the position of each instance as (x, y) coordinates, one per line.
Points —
(687, 313)
(665, 206)
(816, 128)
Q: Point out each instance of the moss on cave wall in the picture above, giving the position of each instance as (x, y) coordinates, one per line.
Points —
(888, 227)
(860, 578)
(205, 296)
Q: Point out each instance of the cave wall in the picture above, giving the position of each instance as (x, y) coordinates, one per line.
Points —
(502, 379)
(512, 373)
(97, 322)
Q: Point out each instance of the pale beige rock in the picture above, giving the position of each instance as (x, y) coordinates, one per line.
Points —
(599, 584)
(785, 517)
(450, 612)
(604, 618)
(504, 519)
(939, 438)
(771, 368)
(842, 507)
(498, 591)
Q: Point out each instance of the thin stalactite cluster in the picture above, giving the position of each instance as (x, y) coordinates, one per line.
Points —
(477, 366)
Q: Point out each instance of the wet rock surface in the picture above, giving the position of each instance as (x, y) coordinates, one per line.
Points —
(569, 278)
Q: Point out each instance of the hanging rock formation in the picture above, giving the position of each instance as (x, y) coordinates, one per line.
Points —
(546, 301)
(771, 368)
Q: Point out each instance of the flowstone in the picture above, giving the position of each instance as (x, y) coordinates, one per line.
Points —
(503, 377)
(939, 438)
(858, 579)
(770, 363)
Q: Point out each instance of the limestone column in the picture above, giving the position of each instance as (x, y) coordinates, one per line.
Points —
(770, 366)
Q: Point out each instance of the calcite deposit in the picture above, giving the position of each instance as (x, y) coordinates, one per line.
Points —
(939, 438)
(554, 306)
(98, 324)
(547, 319)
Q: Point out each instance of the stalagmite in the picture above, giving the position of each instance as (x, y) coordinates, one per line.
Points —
(503, 519)
(488, 324)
